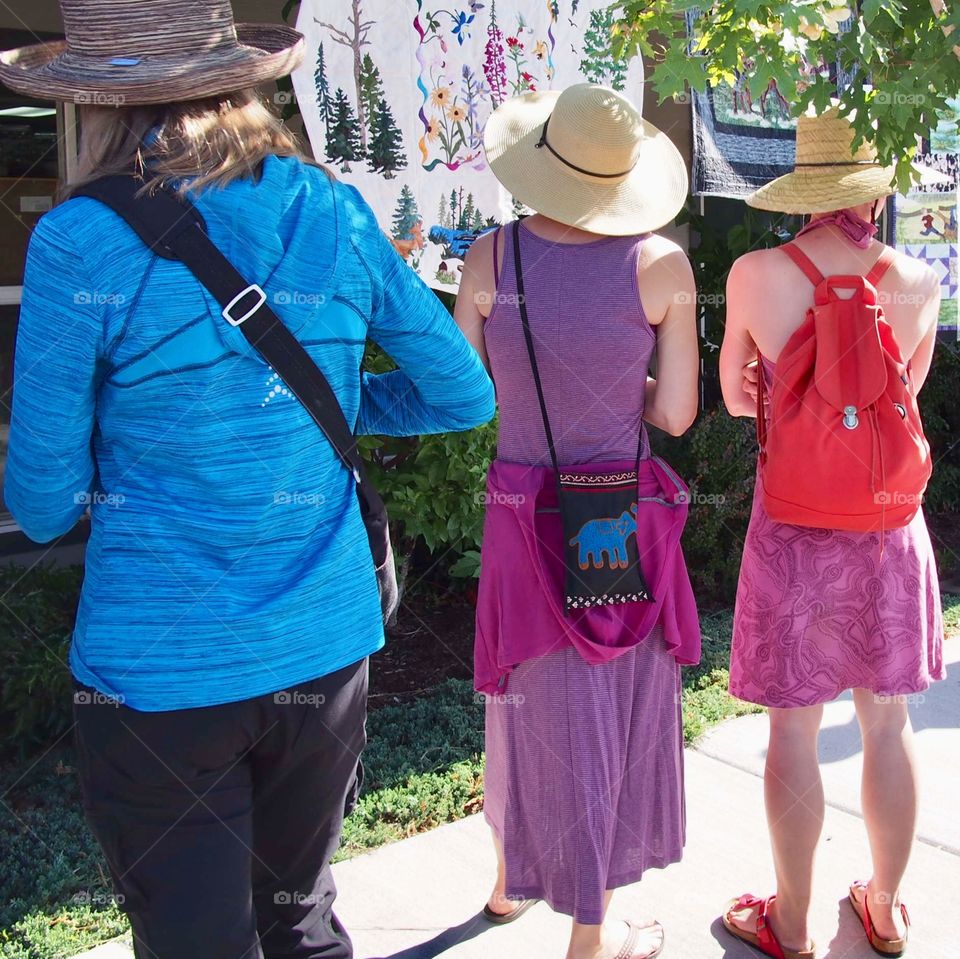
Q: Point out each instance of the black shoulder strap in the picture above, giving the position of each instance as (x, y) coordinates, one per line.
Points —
(528, 338)
(171, 226)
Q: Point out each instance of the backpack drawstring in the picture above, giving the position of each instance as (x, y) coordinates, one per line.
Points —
(876, 454)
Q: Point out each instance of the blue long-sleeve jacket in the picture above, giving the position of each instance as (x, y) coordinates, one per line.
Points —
(227, 557)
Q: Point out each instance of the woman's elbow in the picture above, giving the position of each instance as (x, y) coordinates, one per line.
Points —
(679, 423)
(484, 406)
(44, 529)
(40, 523)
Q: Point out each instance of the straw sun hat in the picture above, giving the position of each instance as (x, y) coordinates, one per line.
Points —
(587, 158)
(828, 174)
(150, 51)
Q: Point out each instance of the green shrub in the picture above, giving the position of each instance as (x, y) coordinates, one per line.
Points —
(53, 882)
(717, 458)
(941, 423)
(36, 620)
(432, 485)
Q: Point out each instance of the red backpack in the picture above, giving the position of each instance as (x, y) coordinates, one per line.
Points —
(845, 447)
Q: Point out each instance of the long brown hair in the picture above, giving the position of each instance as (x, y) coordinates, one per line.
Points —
(211, 141)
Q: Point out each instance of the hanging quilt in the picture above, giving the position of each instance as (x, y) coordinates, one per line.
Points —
(741, 140)
(744, 136)
(394, 96)
(925, 227)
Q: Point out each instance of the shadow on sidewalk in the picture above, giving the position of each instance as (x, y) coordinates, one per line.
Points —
(934, 709)
(439, 944)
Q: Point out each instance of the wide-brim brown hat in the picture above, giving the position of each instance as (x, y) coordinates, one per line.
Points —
(587, 158)
(126, 52)
(828, 174)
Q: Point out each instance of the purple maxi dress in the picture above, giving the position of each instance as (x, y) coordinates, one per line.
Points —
(584, 769)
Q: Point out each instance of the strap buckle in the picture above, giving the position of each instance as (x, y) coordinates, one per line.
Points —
(261, 299)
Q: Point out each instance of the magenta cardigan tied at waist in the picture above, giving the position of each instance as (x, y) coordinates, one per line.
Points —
(520, 609)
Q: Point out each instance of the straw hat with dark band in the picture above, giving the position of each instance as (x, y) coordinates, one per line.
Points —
(150, 51)
(587, 158)
(828, 174)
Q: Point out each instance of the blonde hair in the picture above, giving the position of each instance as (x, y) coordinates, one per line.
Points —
(211, 141)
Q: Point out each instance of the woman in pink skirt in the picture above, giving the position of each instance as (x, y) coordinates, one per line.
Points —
(820, 611)
(584, 739)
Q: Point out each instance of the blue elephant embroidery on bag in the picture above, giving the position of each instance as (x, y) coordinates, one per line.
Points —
(606, 535)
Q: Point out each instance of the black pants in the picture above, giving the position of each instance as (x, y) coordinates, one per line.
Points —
(218, 824)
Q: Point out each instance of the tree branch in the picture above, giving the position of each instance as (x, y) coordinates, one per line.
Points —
(336, 31)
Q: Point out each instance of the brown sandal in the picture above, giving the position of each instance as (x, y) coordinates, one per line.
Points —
(763, 939)
(502, 918)
(884, 947)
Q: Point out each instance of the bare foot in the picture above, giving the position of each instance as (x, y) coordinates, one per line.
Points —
(499, 904)
(796, 940)
(884, 910)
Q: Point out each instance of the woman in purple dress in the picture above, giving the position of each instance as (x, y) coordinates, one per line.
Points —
(820, 611)
(584, 774)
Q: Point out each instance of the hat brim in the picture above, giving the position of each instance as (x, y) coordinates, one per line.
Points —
(645, 199)
(823, 190)
(49, 71)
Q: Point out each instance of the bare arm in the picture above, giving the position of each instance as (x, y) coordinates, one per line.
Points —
(738, 348)
(929, 320)
(477, 290)
(671, 399)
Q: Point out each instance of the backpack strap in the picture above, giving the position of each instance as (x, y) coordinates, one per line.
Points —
(803, 262)
(880, 267)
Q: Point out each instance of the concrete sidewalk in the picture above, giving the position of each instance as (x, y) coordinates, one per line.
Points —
(420, 898)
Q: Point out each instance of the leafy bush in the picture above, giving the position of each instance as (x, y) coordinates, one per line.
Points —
(941, 422)
(55, 897)
(36, 621)
(432, 485)
(717, 458)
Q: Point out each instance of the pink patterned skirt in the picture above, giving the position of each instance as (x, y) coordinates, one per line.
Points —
(821, 611)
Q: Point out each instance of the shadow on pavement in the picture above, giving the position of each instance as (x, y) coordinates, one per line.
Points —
(934, 711)
(439, 944)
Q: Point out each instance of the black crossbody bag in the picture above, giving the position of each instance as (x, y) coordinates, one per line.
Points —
(171, 226)
(598, 508)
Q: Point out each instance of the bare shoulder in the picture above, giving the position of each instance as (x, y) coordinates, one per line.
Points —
(657, 248)
(752, 267)
(481, 249)
(663, 258)
(912, 274)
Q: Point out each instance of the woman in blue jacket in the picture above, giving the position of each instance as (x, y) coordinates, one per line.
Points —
(230, 602)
